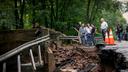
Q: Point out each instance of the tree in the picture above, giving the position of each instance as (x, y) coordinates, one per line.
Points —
(61, 15)
(16, 14)
(33, 13)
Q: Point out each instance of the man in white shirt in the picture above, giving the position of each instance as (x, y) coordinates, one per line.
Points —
(104, 27)
(88, 29)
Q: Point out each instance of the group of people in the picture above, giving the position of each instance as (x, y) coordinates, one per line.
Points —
(87, 34)
(121, 32)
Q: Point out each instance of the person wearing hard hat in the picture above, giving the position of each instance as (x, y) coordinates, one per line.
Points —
(104, 27)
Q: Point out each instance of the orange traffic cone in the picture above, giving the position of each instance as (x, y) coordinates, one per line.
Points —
(111, 38)
(106, 38)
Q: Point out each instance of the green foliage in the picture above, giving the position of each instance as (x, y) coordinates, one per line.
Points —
(61, 15)
(6, 15)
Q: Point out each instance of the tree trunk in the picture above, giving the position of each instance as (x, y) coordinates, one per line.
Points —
(22, 13)
(16, 15)
(93, 10)
(52, 14)
(88, 10)
(33, 13)
(46, 22)
(56, 18)
(62, 11)
(43, 3)
(96, 10)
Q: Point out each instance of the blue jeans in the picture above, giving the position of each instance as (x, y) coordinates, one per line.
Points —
(82, 39)
(120, 36)
(126, 35)
(89, 39)
(93, 40)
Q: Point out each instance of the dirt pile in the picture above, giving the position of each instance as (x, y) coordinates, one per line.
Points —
(76, 57)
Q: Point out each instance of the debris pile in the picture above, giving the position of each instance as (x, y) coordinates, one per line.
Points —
(80, 59)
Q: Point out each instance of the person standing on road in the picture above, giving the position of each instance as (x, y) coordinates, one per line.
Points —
(38, 30)
(104, 27)
(88, 28)
(127, 32)
(119, 32)
(82, 33)
(93, 33)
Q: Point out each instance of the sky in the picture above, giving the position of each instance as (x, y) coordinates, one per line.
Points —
(123, 0)
(125, 15)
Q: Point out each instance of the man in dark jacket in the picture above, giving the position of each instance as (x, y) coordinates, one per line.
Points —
(127, 32)
(119, 31)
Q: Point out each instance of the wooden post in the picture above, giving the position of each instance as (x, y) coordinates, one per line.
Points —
(45, 53)
(51, 61)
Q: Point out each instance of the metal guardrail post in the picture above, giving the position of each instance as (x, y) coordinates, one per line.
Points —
(22, 47)
(19, 63)
(39, 54)
(4, 67)
(32, 58)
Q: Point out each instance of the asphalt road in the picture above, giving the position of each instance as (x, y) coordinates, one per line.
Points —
(120, 47)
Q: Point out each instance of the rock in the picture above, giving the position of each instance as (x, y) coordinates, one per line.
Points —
(68, 70)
